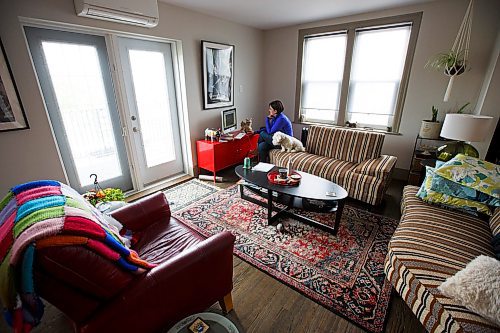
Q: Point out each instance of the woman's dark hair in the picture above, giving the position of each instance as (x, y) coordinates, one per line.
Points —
(277, 105)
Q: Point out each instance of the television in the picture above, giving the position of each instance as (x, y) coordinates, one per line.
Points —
(228, 120)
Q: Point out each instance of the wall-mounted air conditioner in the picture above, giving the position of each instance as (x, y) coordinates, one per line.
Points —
(137, 12)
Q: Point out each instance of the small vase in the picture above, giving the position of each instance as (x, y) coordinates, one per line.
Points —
(430, 129)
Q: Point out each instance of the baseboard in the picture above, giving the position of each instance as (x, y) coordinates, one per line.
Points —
(400, 174)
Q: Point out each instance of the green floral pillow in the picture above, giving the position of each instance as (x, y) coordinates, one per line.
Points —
(472, 172)
(465, 205)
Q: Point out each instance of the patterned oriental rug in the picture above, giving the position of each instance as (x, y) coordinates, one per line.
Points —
(343, 273)
(187, 193)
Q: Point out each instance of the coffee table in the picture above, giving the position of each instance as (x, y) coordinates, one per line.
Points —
(309, 195)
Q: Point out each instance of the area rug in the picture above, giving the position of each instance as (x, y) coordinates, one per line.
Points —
(184, 194)
(344, 273)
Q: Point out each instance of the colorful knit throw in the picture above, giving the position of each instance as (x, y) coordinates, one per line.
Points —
(46, 214)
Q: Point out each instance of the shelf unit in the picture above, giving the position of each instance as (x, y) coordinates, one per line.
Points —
(423, 149)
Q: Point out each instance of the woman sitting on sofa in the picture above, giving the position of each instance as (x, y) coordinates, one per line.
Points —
(276, 121)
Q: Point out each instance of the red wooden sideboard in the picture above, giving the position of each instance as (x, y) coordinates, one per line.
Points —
(215, 156)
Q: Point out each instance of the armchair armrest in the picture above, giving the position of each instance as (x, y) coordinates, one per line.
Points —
(187, 283)
(381, 166)
(139, 215)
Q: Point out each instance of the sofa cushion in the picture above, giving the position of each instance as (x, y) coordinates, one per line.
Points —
(162, 241)
(495, 222)
(321, 166)
(430, 245)
(344, 144)
(379, 167)
(366, 185)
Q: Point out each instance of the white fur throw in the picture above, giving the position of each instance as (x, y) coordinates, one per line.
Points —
(288, 143)
(477, 287)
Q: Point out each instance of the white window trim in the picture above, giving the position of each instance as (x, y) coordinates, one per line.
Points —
(414, 19)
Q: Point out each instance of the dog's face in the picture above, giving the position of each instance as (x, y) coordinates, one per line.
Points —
(277, 138)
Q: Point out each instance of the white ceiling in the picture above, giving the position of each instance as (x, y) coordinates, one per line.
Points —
(269, 14)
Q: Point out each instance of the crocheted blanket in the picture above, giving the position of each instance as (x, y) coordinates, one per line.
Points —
(44, 214)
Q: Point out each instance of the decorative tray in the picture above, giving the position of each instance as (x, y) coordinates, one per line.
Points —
(293, 180)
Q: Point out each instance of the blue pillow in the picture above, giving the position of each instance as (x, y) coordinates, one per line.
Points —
(448, 201)
(446, 186)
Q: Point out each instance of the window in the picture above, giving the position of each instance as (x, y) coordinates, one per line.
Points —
(356, 72)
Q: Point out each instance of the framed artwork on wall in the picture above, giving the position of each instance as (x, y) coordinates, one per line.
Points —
(12, 115)
(218, 75)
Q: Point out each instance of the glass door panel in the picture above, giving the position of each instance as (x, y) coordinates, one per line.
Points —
(151, 94)
(74, 75)
(150, 90)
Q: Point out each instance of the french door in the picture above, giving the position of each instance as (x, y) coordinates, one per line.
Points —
(75, 78)
(148, 78)
(143, 141)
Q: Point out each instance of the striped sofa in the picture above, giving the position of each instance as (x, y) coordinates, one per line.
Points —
(350, 158)
(430, 245)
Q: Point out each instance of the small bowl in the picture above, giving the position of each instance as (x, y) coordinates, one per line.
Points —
(295, 177)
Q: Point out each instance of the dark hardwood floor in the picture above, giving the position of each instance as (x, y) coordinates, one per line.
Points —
(263, 304)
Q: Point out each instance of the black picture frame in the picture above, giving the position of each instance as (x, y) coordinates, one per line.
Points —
(218, 74)
(12, 116)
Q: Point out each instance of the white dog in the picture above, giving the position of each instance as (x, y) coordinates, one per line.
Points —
(288, 143)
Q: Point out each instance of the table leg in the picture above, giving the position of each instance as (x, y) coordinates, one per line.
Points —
(269, 206)
(338, 216)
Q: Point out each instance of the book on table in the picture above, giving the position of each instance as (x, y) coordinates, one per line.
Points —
(263, 167)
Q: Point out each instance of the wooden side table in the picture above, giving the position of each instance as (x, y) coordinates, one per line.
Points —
(430, 162)
(423, 149)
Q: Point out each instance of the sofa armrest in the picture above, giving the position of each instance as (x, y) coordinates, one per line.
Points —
(381, 166)
(185, 284)
(139, 215)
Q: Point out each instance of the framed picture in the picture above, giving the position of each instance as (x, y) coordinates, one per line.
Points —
(218, 75)
(12, 115)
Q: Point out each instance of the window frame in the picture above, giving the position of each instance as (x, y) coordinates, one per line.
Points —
(413, 19)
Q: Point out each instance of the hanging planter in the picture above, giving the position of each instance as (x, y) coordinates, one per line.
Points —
(455, 62)
(451, 63)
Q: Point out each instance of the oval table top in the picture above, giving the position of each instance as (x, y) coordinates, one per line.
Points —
(310, 187)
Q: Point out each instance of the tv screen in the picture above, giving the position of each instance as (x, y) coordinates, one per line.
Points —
(229, 120)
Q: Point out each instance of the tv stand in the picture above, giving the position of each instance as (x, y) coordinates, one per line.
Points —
(215, 156)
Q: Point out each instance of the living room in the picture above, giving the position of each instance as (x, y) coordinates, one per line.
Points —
(267, 42)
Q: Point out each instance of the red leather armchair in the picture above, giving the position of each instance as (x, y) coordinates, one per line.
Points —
(193, 272)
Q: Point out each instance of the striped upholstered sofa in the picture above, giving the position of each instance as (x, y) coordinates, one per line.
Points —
(430, 245)
(350, 158)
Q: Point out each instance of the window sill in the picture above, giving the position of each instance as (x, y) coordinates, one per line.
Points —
(358, 128)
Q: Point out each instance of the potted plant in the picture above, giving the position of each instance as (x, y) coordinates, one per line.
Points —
(452, 63)
(430, 129)
(462, 109)
(106, 195)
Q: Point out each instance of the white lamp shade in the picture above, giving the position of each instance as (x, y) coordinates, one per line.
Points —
(465, 127)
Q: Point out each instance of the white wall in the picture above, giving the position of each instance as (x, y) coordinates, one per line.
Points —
(489, 98)
(440, 23)
(32, 154)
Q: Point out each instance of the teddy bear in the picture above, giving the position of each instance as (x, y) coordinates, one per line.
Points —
(246, 125)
